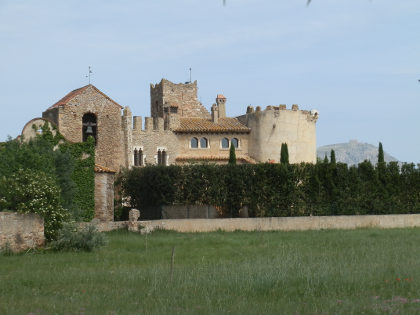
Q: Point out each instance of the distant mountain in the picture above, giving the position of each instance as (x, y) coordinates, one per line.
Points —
(353, 152)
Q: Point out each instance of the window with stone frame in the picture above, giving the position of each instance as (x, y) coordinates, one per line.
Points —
(225, 143)
(194, 143)
(235, 142)
(138, 157)
(204, 143)
(162, 157)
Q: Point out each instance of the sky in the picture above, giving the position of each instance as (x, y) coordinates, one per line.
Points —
(356, 61)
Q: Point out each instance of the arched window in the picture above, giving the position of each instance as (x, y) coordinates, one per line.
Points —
(225, 143)
(194, 143)
(235, 142)
(140, 157)
(89, 126)
(159, 157)
(136, 158)
(204, 143)
(162, 157)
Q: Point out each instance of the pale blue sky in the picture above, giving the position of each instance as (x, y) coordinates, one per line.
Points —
(356, 61)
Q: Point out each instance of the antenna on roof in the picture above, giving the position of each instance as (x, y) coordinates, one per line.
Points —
(89, 74)
(188, 82)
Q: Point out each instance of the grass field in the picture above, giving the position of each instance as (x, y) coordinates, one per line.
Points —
(364, 271)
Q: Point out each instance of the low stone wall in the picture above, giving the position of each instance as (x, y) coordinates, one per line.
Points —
(272, 224)
(189, 212)
(21, 231)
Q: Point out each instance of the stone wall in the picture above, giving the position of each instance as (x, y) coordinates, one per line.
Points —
(276, 224)
(189, 212)
(183, 96)
(21, 231)
(104, 196)
(214, 148)
(276, 125)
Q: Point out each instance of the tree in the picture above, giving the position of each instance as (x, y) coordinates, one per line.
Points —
(381, 157)
(325, 159)
(232, 155)
(284, 154)
(332, 157)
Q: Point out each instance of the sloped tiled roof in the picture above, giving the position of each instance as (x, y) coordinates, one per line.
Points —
(103, 169)
(221, 96)
(79, 91)
(186, 158)
(207, 125)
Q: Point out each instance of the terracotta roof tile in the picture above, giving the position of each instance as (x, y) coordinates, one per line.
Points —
(207, 125)
(221, 96)
(103, 169)
(78, 91)
(186, 158)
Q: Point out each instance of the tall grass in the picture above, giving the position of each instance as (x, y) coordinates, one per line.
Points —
(366, 271)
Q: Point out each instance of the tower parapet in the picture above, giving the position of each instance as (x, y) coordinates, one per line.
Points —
(276, 125)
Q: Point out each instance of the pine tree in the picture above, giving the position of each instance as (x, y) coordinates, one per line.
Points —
(284, 154)
(332, 157)
(381, 157)
(232, 155)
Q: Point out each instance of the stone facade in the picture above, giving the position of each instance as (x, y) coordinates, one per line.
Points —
(104, 193)
(68, 114)
(180, 130)
(21, 231)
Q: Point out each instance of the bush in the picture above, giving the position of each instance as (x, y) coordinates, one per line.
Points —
(74, 238)
(28, 191)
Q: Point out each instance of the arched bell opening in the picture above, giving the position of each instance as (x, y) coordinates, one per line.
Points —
(89, 126)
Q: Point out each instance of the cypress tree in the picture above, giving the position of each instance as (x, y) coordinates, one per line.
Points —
(325, 159)
(232, 155)
(381, 157)
(332, 157)
(284, 154)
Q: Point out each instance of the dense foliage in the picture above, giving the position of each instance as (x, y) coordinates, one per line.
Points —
(70, 166)
(33, 191)
(278, 189)
(75, 238)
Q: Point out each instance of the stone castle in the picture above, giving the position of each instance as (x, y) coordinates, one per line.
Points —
(180, 130)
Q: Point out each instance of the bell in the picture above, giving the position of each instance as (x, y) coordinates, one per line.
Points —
(89, 130)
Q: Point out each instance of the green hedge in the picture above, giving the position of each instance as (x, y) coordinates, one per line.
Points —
(277, 189)
(71, 165)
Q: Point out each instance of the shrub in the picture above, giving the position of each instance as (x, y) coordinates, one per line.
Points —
(74, 238)
(33, 191)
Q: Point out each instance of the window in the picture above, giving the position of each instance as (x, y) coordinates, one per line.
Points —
(162, 157)
(138, 157)
(235, 142)
(203, 143)
(89, 126)
(225, 143)
(194, 143)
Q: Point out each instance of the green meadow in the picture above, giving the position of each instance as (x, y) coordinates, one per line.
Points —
(365, 271)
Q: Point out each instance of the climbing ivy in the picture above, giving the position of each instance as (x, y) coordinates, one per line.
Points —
(71, 165)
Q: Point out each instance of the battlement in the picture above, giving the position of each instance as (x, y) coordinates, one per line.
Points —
(311, 114)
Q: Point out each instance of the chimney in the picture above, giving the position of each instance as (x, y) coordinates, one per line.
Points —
(215, 113)
(221, 103)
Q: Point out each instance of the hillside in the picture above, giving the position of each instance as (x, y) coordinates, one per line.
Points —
(353, 152)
